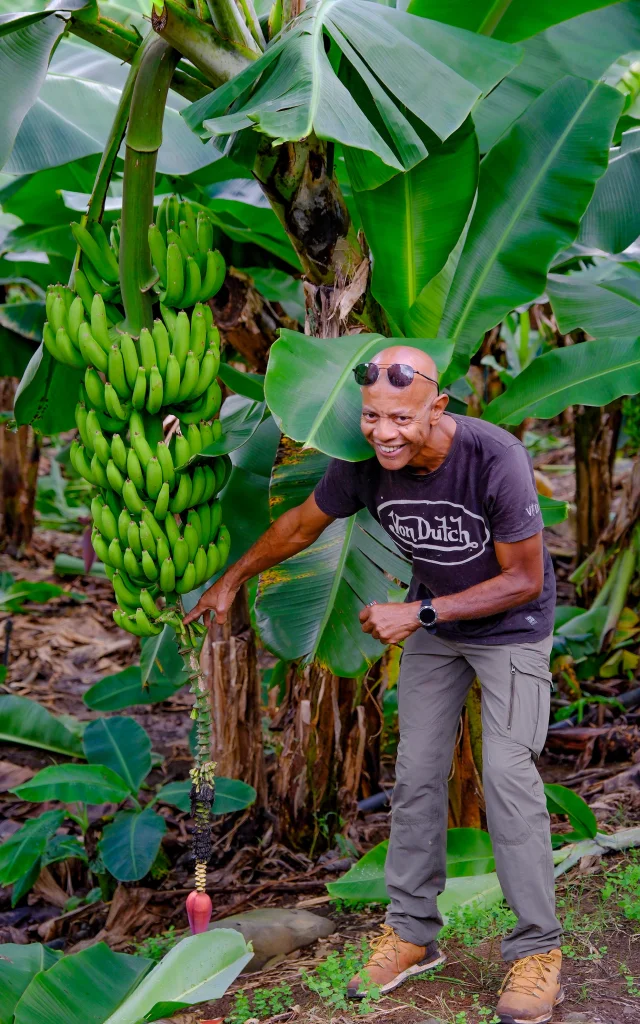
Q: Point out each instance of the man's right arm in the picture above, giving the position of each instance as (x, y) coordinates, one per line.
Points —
(294, 531)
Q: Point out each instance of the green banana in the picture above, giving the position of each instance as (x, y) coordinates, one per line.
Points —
(149, 566)
(213, 560)
(208, 370)
(108, 524)
(162, 550)
(162, 504)
(198, 485)
(154, 478)
(172, 295)
(194, 438)
(190, 535)
(142, 448)
(147, 350)
(98, 234)
(147, 540)
(188, 581)
(149, 520)
(119, 452)
(166, 463)
(181, 339)
(114, 238)
(148, 605)
(167, 576)
(171, 380)
(214, 275)
(181, 498)
(97, 505)
(95, 389)
(189, 377)
(114, 407)
(116, 374)
(206, 434)
(173, 214)
(49, 340)
(115, 477)
(92, 353)
(180, 555)
(156, 391)
(131, 564)
(223, 544)
(204, 232)
(200, 566)
(68, 352)
(173, 238)
(101, 447)
(123, 526)
(204, 515)
(131, 497)
(106, 268)
(198, 339)
(130, 359)
(82, 287)
(100, 547)
(169, 317)
(99, 472)
(133, 539)
(81, 421)
(75, 318)
(99, 324)
(192, 282)
(162, 345)
(115, 554)
(139, 395)
(187, 214)
(182, 451)
(158, 249)
(96, 284)
(189, 239)
(125, 598)
(172, 530)
(161, 217)
(134, 469)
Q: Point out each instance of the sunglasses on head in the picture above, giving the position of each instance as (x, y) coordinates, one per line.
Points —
(399, 375)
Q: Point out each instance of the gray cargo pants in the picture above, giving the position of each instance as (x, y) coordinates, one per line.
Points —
(435, 678)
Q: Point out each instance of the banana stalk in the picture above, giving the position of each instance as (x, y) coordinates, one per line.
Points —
(219, 59)
(144, 137)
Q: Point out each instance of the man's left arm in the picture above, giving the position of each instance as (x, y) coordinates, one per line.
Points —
(521, 580)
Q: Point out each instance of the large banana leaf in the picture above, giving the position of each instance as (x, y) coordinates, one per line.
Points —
(534, 187)
(199, 969)
(25, 721)
(26, 42)
(18, 966)
(584, 46)
(130, 843)
(312, 393)
(413, 221)
(603, 305)
(513, 20)
(71, 118)
(47, 394)
(83, 988)
(592, 373)
(250, 475)
(308, 606)
(612, 220)
(424, 66)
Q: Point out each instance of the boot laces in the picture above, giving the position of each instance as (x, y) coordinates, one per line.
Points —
(525, 975)
(384, 947)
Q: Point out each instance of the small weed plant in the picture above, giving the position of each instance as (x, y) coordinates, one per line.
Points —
(264, 1003)
(470, 925)
(623, 886)
(157, 946)
(329, 979)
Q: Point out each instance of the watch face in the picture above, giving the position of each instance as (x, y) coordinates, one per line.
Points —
(427, 615)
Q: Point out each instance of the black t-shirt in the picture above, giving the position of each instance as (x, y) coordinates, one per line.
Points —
(446, 521)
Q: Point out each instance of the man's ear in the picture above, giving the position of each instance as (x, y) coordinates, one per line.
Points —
(438, 408)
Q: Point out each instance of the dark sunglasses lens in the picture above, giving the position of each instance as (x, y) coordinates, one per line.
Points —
(400, 375)
(366, 374)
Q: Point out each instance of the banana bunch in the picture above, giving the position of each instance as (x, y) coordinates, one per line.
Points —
(98, 271)
(156, 525)
(180, 241)
(68, 336)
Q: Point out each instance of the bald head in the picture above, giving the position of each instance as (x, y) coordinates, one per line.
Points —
(415, 357)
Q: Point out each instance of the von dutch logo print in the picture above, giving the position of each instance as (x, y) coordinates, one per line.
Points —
(435, 531)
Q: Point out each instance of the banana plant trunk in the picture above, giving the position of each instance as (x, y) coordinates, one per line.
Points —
(596, 432)
(19, 461)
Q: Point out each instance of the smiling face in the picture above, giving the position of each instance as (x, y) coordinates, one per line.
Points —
(398, 422)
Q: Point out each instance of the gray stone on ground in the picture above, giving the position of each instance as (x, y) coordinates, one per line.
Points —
(275, 932)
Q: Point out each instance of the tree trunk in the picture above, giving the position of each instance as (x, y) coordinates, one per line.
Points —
(326, 724)
(466, 796)
(19, 459)
(231, 670)
(246, 320)
(596, 433)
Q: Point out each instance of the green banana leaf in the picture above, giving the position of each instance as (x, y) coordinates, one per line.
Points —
(125, 689)
(160, 660)
(512, 21)
(585, 46)
(121, 744)
(25, 319)
(240, 419)
(25, 721)
(130, 843)
(592, 373)
(83, 988)
(308, 606)
(73, 783)
(413, 221)
(46, 396)
(250, 475)
(553, 510)
(561, 800)
(199, 969)
(469, 852)
(604, 306)
(534, 187)
(19, 852)
(231, 795)
(312, 393)
(18, 966)
(424, 67)
(71, 119)
(26, 42)
(612, 220)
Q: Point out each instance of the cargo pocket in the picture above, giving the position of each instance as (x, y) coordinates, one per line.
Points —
(529, 699)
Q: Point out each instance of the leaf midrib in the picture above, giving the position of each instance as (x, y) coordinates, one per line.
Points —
(337, 387)
(489, 264)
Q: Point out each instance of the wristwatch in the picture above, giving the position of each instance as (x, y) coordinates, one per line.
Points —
(427, 615)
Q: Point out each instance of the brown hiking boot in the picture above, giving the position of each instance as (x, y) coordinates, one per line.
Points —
(392, 961)
(531, 989)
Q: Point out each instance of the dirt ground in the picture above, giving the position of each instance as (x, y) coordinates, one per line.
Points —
(58, 650)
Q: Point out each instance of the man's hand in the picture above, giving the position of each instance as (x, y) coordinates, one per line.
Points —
(217, 599)
(390, 623)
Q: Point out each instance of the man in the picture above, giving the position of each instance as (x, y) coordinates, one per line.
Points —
(458, 497)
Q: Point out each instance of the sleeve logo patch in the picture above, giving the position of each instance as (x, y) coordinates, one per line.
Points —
(533, 509)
